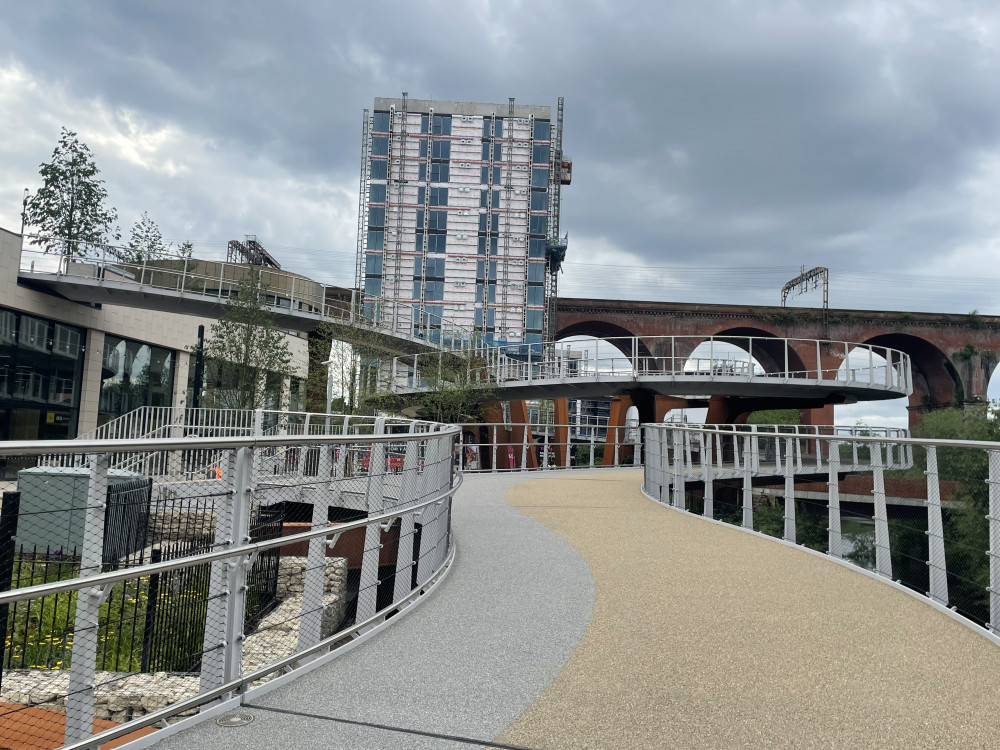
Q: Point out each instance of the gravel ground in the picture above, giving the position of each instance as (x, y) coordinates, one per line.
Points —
(707, 637)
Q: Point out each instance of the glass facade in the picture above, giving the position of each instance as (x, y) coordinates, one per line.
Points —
(133, 374)
(41, 371)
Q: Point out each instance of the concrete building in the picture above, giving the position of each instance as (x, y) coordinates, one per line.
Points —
(459, 218)
(67, 367)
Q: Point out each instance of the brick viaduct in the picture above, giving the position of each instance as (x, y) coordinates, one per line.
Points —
(952, 356)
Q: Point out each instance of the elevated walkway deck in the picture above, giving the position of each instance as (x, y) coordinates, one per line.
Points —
(579, 614)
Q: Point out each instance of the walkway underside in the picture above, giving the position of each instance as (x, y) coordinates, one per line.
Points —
(579, 614)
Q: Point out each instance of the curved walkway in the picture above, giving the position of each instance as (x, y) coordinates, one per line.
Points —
(689, 635)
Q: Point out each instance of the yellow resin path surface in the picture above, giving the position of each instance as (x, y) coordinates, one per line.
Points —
(704, 636)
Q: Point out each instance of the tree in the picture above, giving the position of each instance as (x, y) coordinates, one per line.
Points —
(69, 209)
(146, 241)
(247, 357)
(186, 249)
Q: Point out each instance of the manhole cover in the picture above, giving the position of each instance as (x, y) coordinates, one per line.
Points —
(234, 720)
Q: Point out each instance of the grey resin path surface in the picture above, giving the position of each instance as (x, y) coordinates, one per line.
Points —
(466, 663)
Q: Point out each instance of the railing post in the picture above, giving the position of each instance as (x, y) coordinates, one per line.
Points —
(883, 560)
(375, 504)
(142, 272)
(184, 272)
(819, 366)
(407, 496)
(82, 673)
(789, 535)
(936, 562)
(314, 581)
(679, 484)
(706, 474)
(994, 552)
(833, 494)
(747, 481)
(545, 449)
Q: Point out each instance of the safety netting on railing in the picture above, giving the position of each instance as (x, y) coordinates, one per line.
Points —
(128, 598)
(923, 513)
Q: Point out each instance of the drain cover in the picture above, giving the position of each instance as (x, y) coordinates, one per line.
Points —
(234, 720)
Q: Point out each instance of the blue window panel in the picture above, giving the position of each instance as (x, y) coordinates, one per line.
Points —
(498, 128)
(434, 267)
(533, 338)
(536, 247)
(380, 145)
(421, 195)
(493, 270)
(422, 172)
(437, 243)
(495, 223)
(434, 313)
(441, 150)
(484, 199)
(373, 287)
(539, 200)
(376, 240)
(482, 245)
(539, 177)
(482, 222)
(437, 220)
(376, 217)
(439, 172)
(420, 218)
(373, 264)
(487, 127)
(480, 270)
(379, 169)
(537, 224)
(536, 272)
(380, 122)
(376, 193)
(418, 244)
(422, 145)
(423, 124)
(533, 320)
(416, 289)
(536, 295)
(439, 196)
(491, 317)
(479, 292)
(479, 317)
(442, 124)
(542, 131)
(486, 153)
(492, 296)
(540, 154)
(434, 290)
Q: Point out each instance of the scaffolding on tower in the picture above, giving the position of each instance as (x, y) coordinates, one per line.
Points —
(561, 167)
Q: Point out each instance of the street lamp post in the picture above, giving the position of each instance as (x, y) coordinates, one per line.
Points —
(24, 209)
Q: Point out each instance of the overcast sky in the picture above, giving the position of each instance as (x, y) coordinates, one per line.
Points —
(718, 146)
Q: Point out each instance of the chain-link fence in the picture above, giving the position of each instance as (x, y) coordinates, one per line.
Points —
(130, 596)
(923, 513)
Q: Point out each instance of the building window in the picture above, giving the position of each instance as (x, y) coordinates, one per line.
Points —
(421, 195)
(536, 272)
(380, 122)
(482, 222)
(422, 172)
(439, 172)
(376, 193)
(439, 196)
(434, 267)
(441, 150)
(379, 169)
(434, 291)
(484, 199)
(417, 286)
(418, 243)
(41, 372)
(542, 130)
(538, 224)
(535, 295)
(540, 177)
(373, 287)
(437, 220)
(498, 129)
(540, 154)
(539, 200)
(442, 124)
(479, 292)
(533, 320)
(536, 247)
(373, 264)
(376, 217)
(380, 145)
(487, 127)
(437, 243)
(140, 375)
(423, 124)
